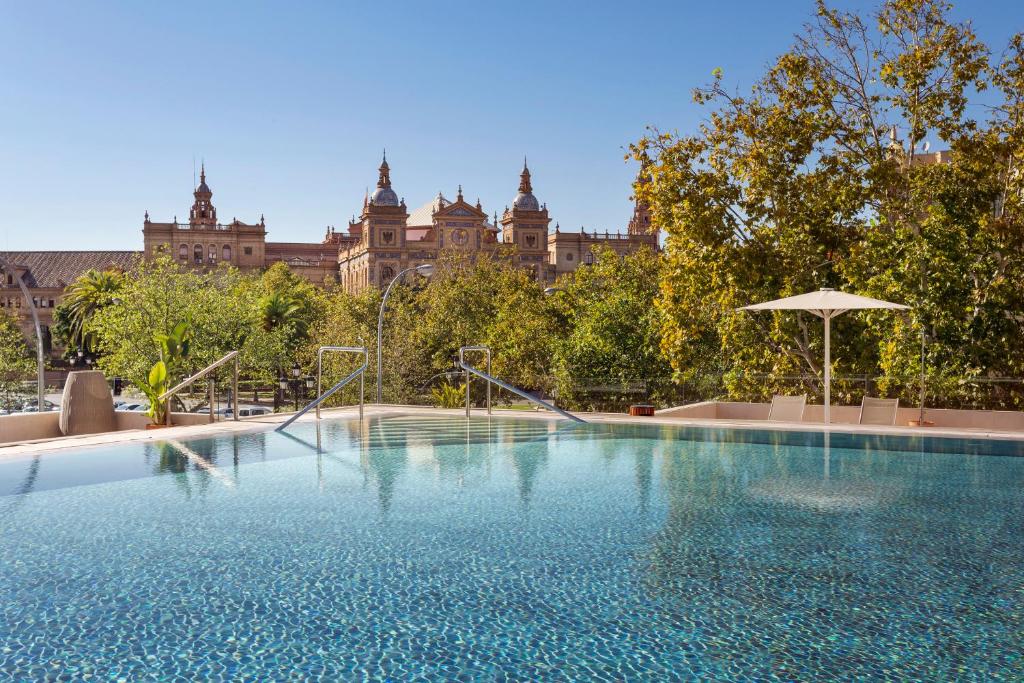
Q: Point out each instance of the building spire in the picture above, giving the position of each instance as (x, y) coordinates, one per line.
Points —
(524, 179)
(385, 172)
(203, 212)
(640, 223)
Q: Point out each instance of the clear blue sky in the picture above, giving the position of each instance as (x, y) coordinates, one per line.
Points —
(103, 106)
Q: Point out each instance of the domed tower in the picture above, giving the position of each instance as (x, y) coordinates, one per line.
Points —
(384, 195)
(525, 225)
(382, 231)
(203, 213)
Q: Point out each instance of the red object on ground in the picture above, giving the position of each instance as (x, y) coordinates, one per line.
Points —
(641, 410)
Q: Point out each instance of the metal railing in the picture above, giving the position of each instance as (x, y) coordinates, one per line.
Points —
(462, 352)
(315, 403)
(188, 381)
(504, 385)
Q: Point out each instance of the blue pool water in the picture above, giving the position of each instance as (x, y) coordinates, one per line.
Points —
(435, 549)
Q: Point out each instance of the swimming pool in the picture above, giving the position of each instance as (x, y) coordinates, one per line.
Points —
(427, 548)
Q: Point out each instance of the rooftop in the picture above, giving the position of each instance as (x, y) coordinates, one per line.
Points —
(58, 269)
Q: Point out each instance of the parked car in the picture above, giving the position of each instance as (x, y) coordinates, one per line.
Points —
(246, 411)
(33, 406)
(250, 412)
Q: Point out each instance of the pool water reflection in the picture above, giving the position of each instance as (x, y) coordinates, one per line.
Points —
(437, 548)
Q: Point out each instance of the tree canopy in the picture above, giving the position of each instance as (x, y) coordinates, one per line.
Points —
(818, 177)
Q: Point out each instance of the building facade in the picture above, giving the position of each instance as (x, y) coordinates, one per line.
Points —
(46, 274)
(387, 237)
(204, 242)
(383, 240)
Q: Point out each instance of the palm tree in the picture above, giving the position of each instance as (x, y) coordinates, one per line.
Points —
(83, 298)
(279, 308)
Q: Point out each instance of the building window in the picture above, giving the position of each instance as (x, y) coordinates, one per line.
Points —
(197, 253)
(51, 303)
(588, 258)
(568, 257)
(387, 273)
(247, 251)
(183, 252)
(225, 252)
(213, 253)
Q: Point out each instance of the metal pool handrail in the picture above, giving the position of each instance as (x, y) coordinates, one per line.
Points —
(315, 403)
(231, 355)
(518, 392)
(462, 352)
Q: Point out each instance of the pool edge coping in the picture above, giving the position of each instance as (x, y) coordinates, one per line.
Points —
(266, 422)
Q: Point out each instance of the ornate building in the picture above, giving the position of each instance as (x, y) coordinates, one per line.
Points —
(387, 237)
(203, 242)
(46, 274)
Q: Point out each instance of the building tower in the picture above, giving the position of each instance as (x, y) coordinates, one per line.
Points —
(383, 232)
(203, 213)
(640, 223)
(525, 226)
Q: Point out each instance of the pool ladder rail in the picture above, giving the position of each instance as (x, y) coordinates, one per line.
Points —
(470, 370)
(359, 372)
(187, 382)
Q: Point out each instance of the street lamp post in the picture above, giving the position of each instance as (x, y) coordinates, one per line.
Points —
(281, 396)
(426, 270)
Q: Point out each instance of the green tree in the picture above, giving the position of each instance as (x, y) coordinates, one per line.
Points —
(814, 179)
(83, 299)
(483, 301)
(16, 361)
(223, 310)
(610, 353)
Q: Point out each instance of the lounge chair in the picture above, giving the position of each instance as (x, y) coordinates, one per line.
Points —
(878, 411)
(788, 408)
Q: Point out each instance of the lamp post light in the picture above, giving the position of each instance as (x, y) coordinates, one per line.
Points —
(296, 372)
(282, 389)
(426, 270)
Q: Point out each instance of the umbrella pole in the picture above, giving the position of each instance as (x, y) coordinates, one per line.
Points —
(828, 365)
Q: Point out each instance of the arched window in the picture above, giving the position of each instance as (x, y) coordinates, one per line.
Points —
(568, 257)
(387, 273)
(183, 252)
(197, 253)
(588, 258)
(225, 252)
(213, 253)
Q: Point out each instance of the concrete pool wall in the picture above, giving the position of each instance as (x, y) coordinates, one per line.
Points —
(996, 420)
(35, 426)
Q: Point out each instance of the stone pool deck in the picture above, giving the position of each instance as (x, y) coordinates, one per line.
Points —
(267, 422)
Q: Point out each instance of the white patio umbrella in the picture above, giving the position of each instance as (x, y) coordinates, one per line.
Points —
(826, 304)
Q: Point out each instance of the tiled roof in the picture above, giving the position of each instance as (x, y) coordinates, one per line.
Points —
(57, 269)
(424, 215)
